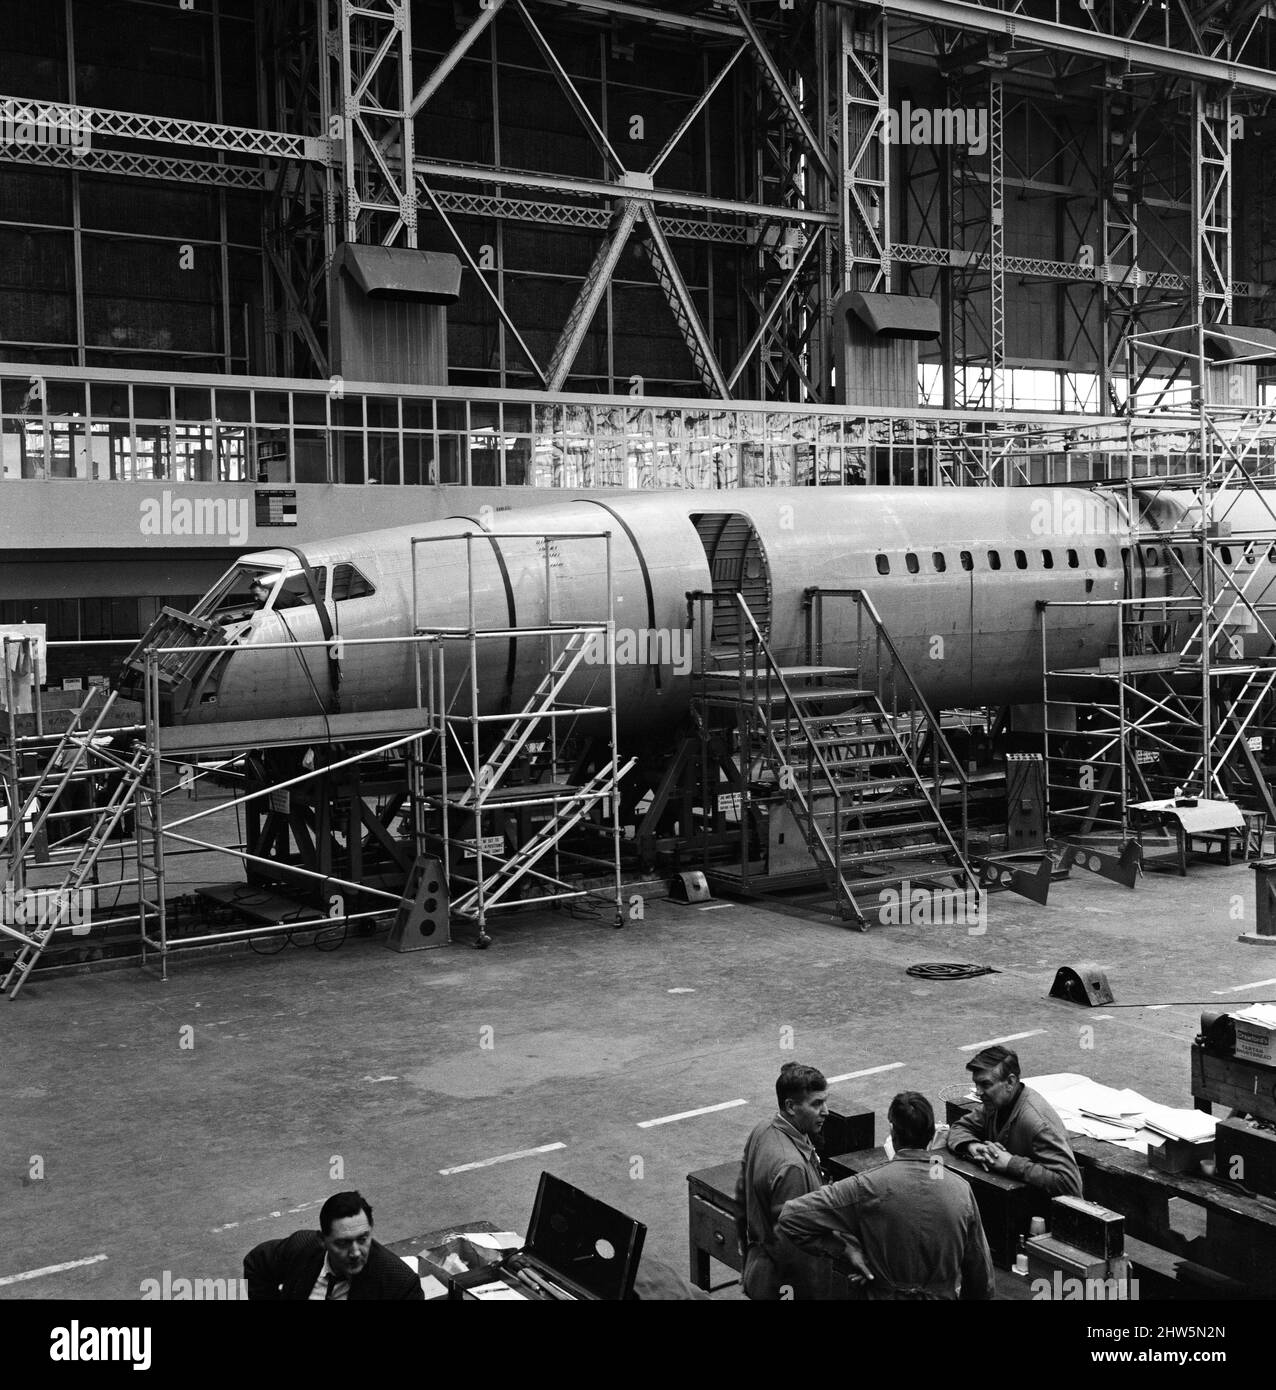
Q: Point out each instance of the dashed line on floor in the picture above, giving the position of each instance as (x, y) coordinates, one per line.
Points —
(868, 1071)
(1236, 989)
(716, 907)
(690, 1114)
(50, 1269)
(1096, 1017)
(266, 1216)
(500, 1158)
(1010, 1037)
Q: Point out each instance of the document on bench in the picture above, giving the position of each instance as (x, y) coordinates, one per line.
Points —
(495, 1292)
(1122, 1117)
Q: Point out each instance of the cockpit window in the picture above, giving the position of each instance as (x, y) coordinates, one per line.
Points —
(237, 594)
(347, 582)
(294, 592)
(248, 589)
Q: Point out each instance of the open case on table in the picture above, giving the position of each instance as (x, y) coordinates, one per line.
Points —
(578, 1248)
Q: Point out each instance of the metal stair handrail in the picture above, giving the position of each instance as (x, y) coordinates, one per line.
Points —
(832, 853)
(860, 597)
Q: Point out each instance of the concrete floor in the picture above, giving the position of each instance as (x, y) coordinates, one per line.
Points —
(313, 1072)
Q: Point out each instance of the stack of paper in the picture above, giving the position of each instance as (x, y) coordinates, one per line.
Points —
(1262, 1014)
(1123, 1117)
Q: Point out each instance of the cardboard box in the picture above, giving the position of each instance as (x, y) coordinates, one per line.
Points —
(1256, 1042)
(1180, 1155)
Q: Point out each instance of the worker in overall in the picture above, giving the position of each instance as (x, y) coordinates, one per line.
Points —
(909, 1229)
(780, 1162)
(1015, 1131)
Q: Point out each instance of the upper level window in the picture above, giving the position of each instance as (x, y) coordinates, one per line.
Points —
(1101, 558)
(913, 564)
(994, 559)
(937, 559)
(968, 560)
(1073, 559)
(1021, 559)
(1047, 560)
(883, 564)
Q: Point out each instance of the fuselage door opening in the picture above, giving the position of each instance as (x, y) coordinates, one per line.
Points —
(738, 564)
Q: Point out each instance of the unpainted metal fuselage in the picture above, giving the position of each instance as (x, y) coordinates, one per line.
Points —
(966, 571)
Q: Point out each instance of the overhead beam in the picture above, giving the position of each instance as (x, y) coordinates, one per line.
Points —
(665, 19)
(597, 188)
(965, 14)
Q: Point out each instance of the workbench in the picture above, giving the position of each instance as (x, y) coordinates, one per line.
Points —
(713, 1210)
(1196, 818)
(1239, 1239)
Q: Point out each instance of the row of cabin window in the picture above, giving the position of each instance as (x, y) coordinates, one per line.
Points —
(1183, 553)
(940, 561)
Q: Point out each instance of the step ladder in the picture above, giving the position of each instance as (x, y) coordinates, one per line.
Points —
(486, 894)
(523, 726)
(59, 770)
(109, 816)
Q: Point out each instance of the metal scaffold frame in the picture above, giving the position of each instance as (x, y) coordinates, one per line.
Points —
(1178, 684)
(161, 761)
(532, 736)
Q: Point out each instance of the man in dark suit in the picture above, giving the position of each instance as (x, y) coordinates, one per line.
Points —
(338, 1261)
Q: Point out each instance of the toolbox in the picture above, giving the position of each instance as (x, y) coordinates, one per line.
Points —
(1087, 1226)
(578, 1249)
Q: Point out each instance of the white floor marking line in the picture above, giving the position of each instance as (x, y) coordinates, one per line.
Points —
(868, 1071)
(1236, 989)
(1098, 1016)
(50, 1269)
(716, 907)
(500, 1158)
(1152, 1008)
(267, 1216)
(690, 1114)
(1010, 1037)
(682, 989)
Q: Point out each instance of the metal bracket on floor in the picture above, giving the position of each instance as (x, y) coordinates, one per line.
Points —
(1121, 868)
(997, 875)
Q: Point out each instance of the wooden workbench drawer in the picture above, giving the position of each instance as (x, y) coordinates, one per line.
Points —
(713, 1230)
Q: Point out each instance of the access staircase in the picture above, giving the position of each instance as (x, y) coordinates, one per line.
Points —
(825, 749)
